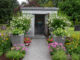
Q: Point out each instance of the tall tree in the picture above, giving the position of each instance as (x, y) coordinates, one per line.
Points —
(6, 10)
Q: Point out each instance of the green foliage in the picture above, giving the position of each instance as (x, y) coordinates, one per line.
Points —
(14, 55)
(59, 55)
(1, 53)
(58, 22)
(17, 31)
(16, 52)
(20, 23)
(5, 43)
(60, 32)
(48, 4)
(6, 10)
(73, 44)
(75, 56)
(71, 8)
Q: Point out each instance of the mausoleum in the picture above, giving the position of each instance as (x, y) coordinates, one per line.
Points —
(39, 19)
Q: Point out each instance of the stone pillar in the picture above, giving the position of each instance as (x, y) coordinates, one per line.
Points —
(46, 24)
(33, 25)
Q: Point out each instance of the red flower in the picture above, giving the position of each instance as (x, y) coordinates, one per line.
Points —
(24, 38)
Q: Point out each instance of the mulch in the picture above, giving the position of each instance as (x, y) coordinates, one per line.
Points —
(3, 57)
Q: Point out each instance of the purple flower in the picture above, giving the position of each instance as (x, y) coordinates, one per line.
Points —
(14, 45)
(0, 34)
(60, 44)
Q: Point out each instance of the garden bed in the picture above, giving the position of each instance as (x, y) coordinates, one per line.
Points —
(3, 57)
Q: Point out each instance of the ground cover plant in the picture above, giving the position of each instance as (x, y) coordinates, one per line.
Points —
(17, 52)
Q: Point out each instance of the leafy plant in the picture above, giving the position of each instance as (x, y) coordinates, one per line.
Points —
(59, 55)
(14, 55)
(60, 32)
(73, 45)
(75, 56)
(17, 52)
(17, 31)
(58, 22)
(20, 23)
(5, 43)
(69, 7)
(1, 53)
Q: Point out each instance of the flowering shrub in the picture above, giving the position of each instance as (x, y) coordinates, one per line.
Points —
(17, 52)
(58, 22)
(73, 45)
(60, 32)
(54, 47)
(59, 55)
(5, 43)
(21, 23)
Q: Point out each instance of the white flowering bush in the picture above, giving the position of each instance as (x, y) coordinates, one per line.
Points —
(20, 23)
(58, 22)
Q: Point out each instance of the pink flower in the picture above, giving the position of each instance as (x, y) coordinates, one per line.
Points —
(55, 43)
(48, 46)
(54, 46)
(23, 48)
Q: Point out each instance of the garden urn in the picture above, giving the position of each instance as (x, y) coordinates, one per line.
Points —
(17, 39)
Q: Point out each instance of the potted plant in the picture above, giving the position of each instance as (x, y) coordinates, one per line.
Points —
(17, 36)
(27, 41)
(59, 35)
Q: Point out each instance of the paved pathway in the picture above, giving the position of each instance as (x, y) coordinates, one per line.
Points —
(38, 50)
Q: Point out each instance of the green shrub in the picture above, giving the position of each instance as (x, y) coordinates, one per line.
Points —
(17, 31)
(14, 55)
(75, 56)
(70, 7)
(60, 32)
(58, 22)
(5, 43)
(20, 23)
(59, 55)
(1, 53)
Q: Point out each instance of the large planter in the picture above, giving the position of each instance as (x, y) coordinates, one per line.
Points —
(59, 39)
(17, 39)
(77, 27)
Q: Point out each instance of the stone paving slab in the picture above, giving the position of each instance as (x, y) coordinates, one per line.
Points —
(38, 50)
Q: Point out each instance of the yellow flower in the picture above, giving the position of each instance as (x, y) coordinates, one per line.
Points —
(6, 38)
(67, 43)
(2, 34)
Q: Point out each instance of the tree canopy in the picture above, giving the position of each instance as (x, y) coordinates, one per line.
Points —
(7, 10)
